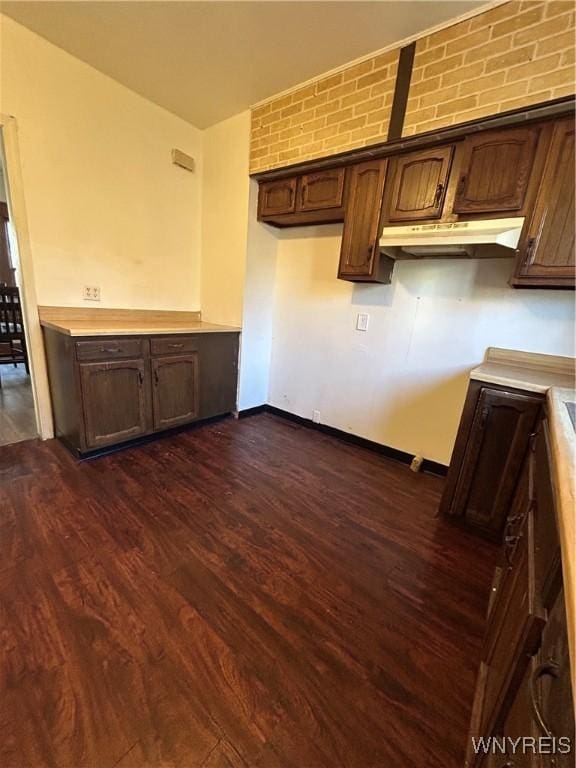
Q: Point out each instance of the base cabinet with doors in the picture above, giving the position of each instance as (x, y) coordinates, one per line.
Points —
(523, 699)
(106, 391)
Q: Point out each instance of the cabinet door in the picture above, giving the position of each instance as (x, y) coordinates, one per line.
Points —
(512, 636)
(495, 449)
(546, 254)
(360, 251)
(277, 197)
(520, 723)
(552, 706)
(114, 401)
(318, 191)
(417, 184)
(495, 171)
(175, 390)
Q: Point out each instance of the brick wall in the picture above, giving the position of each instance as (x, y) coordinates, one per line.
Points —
(514, 55)
(342, 111)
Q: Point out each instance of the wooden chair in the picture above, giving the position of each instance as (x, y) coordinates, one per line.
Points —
(12, 338)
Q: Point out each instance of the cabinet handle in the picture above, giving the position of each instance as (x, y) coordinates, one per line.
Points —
(461, 185)
(140, 377)
(438, 197)
(156, 377)
(509, 544)
(110, 350)
(552, 668)
(512, 520)
(175, 346)
(530, 250)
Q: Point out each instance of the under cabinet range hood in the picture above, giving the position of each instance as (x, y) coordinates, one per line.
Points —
(486, 239)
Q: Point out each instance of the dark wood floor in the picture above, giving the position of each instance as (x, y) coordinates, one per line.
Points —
(248, 593)
(17, 421)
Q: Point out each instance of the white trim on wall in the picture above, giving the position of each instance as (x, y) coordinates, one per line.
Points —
(17, 210)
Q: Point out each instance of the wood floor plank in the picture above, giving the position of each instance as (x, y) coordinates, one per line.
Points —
(243, 595)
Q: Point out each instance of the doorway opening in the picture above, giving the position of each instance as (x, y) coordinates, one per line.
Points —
(17, 410)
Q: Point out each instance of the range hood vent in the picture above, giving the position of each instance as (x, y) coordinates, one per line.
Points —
(488, 239)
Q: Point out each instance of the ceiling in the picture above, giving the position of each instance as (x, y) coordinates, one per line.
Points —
(206, 61)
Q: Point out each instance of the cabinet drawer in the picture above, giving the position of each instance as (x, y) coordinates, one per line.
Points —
(109, 349)
(174, 345)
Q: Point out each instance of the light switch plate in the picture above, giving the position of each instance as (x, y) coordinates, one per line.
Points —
(362, 321)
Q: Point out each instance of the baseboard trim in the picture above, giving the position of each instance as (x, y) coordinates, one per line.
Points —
(253, 411)
(429, 466)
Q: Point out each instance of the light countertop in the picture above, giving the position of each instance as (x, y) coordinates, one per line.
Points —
(74, 321)
(563, 461)
(529, 371)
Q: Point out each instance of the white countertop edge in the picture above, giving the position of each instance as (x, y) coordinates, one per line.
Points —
(141, 331)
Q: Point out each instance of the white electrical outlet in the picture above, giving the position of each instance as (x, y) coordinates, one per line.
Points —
(316, 417)
(362, 321)
(91, 293)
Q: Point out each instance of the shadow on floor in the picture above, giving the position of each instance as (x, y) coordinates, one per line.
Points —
(17, 421)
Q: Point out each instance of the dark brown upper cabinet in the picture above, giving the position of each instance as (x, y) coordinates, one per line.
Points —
(312, 198)
(416, 185)
(495, 171)
(175, 390)
(546, 251)
(523, 170)
(114, 398)
(360, 258)
(277, 197)
(319, 191)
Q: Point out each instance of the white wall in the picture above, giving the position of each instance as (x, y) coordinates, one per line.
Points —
(403, 382)
(105, 204)
(259, 295)
(238, 254)
(225, 219)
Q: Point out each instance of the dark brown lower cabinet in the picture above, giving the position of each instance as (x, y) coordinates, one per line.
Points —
(490, 446)
(523, 705)
(174, 390)
(106, 391)
(114, 401)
